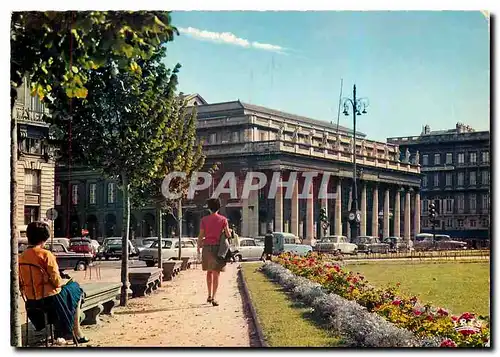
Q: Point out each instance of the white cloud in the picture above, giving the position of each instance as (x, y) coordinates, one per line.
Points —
(228, 38)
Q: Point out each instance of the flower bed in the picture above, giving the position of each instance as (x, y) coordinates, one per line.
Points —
(406, 312)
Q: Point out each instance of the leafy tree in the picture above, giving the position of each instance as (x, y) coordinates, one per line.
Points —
(124, 129)
(186, 156)
(56, 51)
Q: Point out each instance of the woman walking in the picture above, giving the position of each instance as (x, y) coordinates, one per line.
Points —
(213, 229)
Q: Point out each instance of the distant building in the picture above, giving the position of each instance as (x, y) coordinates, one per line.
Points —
(243, 138)
(35, 166)
(456, 176)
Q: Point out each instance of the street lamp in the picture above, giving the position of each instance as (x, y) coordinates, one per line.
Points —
(359, 106)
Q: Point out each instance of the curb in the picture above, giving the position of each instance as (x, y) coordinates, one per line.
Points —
(256, 323)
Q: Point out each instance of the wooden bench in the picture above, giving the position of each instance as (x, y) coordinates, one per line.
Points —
(171, 268)
(98, 298)
(144, 280)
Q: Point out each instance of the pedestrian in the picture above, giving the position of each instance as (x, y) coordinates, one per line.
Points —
(214, 234)
(268, 246)
(43, 286)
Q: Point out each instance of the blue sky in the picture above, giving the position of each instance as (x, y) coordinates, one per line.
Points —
(416, 68)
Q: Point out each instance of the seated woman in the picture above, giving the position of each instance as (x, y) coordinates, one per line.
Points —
(62, 301)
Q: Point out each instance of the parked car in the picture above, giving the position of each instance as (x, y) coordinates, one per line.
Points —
(142, 243)
(67, 259)
(169, 250)
(370, 244)
(330, 244)
(282, 238)
(298, 249)
(397, 244)
(112, 248)
(248, 249)
(81, 245)
(426, 241)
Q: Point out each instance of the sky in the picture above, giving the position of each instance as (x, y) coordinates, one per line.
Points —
(415, 68)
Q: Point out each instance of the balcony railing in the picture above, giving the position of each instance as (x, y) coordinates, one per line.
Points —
(33, 189)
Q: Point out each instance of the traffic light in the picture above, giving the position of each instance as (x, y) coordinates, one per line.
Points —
(432, 212)
(322, 215)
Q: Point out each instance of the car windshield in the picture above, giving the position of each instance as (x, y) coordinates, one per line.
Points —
(148, 242)
(114, 242)
(165, 244)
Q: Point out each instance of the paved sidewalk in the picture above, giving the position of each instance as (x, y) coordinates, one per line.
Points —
(177, 315)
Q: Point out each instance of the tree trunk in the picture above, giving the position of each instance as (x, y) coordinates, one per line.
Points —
(125, 240)
(15, 319)
(179, 223)
(160, 234)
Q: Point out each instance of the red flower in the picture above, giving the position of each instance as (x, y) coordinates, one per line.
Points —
(454, 318)
(442, 312)
(396, 302)
(417, 312)
(467, 316)
(429, 318)
(337, 268)
(448, 343)
(467, 331)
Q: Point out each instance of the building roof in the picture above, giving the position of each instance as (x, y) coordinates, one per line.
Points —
(239, 106)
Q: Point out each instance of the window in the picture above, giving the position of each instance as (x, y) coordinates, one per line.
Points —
(460, 179)
(473, 157)
(449, 205)
(31, 214)
(437, 159)
(449, 158)
(436, 180)
(461, 158)
(449, 179)
(484, 222)
(485, 177)
(424, 181)
(212, 138)
(472, 222)
(235, 137)
(460, 202)
(187, 244)
(449, 223)
(74, 194)
(36, 105)
(32, 181)
(262, 136)
(486, 201)
(460, 223)
(472, 202)
(92, 192)
(485, 159)
(165, 244)
(425, 160)
(31, 146)
(425, 206)
(111, 192)
(472, 178)
(57, 195)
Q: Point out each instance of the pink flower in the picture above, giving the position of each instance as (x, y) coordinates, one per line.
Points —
(467, 316)
(417, 312)
(396, 302)
(448, 343)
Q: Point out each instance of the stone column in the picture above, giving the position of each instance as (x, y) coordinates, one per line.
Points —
(363, 210)
(417, 212)
(338, 209)
(278, 210)
(349, 204)
(295, 210)
(386, 213)
(397, 213)
(310, 216)
(375, 212)
(407, 216)
(254, 214)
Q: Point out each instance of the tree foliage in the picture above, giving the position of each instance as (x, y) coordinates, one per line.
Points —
(58, 48)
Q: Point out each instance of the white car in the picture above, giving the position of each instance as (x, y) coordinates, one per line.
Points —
(330, 244)
(170, 250)
(298, 249)
(248, 249)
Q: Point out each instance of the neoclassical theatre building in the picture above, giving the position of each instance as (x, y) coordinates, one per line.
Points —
(244, 138)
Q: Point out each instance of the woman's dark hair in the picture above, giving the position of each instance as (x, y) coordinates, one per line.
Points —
(37, 232)
(213, 204)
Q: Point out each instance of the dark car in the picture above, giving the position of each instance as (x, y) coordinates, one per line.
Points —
(397, 244)
(368, 244)
(112, 248)
(67, 259)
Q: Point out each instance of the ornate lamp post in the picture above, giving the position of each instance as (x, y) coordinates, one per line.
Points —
(359, 106)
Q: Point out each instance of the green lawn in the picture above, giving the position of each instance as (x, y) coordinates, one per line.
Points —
(284, 324)
(457, 286)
